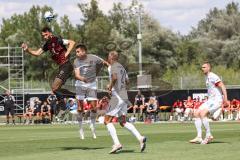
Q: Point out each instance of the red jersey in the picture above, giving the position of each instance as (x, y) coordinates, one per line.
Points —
(234, 104)
(86, 106)
(178, 104)
(57, 49)
(188, 104)
(197, 104)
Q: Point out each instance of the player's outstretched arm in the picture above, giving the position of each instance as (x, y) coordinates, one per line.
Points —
(32, 52)
(71, 44)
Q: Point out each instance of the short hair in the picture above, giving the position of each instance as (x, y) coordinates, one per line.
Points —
(46, 29)
(207, 62)
(81, 46)
(114, 54)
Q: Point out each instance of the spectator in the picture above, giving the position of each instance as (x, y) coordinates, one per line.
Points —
(62, 107)
(188, 104)
(37, 110)
(196, 104)
(178, 110)
(45, 112)
(139, 103)
(151, 110)
(71, 109)
(234, 109)
(226, 109)
(28, 113)
(52, 100)
(9, 106)
(102, 106)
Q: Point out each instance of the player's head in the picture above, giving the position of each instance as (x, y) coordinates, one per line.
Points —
(206, 67)
(139, 92)
(112, 57)
(81, 50)
(7, 92)
(46, 33)
(45, 103)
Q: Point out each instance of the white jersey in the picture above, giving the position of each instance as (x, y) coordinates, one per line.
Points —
(212, 81)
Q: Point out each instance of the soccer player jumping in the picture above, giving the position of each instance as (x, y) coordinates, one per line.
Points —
(217, 95)
(118, 103)
(60, 50)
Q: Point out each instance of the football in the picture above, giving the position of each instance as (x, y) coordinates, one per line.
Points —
(48, 16)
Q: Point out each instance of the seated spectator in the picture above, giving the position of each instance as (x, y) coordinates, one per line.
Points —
(151, 110)
(188, 104)
(45, 112)
(61, 105)
(52, 101)
(234, 109)
(226, 111)
(196, 104)
(102, 106)
(139, 103)
(37, 110)
(28, 113)
(178, 110)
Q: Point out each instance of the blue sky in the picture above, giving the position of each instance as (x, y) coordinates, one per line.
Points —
(178, 15)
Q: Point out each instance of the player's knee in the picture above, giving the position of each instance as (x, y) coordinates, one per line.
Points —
(123, 121)
(107, 120)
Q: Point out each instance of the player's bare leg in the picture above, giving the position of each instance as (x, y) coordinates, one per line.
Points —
(56, 88)
(112, 131)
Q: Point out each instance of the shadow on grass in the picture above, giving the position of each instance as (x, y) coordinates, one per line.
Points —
(125, 151)
(218, 142)
(81, 148)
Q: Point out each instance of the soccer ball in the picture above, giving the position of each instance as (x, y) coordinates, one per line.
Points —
(48, 16)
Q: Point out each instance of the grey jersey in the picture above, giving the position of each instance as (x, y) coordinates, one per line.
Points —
(120, 86)
(88, 66)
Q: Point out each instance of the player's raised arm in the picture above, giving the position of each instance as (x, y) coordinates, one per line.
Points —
(32, 52)
(70, 44)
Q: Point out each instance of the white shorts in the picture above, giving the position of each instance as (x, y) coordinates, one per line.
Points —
(117, 106)
(212, 105)
(86, 91)
(178, 110)
(188, 111)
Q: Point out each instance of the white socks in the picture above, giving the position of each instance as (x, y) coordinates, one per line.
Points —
(133, 130)
(113, 133)
(79, 118)
(198, 124)
(92, 123)
(206, 125)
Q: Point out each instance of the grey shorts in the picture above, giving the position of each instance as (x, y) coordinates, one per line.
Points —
(86, 93)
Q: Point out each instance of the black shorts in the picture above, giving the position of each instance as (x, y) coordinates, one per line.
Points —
(65, 71)
(9, 110)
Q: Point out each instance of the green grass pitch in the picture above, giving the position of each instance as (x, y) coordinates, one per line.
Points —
(166, 141)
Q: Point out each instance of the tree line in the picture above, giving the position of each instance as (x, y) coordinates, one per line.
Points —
(165, 54)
